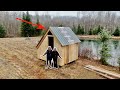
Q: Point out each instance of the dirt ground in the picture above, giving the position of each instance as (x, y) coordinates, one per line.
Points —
(18, 60)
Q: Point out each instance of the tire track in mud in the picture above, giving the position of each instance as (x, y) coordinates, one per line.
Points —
(26, 63)
(22, 53)
(8, 71)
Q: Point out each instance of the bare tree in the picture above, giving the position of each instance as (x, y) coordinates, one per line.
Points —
(87, 19)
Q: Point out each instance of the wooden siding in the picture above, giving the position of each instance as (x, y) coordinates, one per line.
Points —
(68, 53)
(42, 48)
(60, 50)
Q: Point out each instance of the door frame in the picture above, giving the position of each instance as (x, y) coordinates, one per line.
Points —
(53, 40)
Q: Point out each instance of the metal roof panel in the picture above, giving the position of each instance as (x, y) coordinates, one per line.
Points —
(65, 35)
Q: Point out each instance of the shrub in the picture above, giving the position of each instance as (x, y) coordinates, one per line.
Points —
(86, 53)
(2, 32)
(104, 37)
(117, 32)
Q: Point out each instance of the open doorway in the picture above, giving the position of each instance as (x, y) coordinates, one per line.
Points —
(51, 41)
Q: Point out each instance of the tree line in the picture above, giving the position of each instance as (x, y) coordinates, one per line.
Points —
(93, 31)
(84, 23)
(25, 29)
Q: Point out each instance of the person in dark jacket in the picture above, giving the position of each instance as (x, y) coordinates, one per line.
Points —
(49, 56)
(55, 55)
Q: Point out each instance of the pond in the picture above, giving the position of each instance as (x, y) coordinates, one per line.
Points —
(95, 47)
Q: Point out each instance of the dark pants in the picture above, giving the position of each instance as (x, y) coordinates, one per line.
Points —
(48, 61)
(55, 62)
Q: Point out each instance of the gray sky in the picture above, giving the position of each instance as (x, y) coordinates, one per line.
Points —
(61, 13)
(56, 13)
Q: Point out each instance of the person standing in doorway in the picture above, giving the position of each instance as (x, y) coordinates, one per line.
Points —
(49, 56)
(55, 55)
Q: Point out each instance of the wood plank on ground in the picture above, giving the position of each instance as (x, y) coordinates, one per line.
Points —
(104, 75)
(103, 71)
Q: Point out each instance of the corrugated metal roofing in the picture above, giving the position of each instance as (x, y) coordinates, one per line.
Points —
(65, 35)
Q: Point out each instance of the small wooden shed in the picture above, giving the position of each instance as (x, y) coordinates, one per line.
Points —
(64, 39)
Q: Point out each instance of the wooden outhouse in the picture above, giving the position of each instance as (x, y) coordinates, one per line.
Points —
(64, 39)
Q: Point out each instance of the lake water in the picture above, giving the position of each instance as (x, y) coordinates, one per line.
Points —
(95, 47)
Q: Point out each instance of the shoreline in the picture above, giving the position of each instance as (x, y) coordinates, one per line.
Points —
(79, 36)
(95, 37)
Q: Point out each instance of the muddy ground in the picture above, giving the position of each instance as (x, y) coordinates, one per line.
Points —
(18, 60)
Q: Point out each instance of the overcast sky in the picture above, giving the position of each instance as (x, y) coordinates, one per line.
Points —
(56, 13)
(61, 13)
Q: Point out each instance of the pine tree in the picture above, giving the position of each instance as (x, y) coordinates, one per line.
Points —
(23, 32)
(104, 37)
(90, 31)
(27, 29)
(82, 30)
(2, 31)
(95, 30)
(37, 31)
(99, 29)
(117, 32)
(78, 29)
(74, 29)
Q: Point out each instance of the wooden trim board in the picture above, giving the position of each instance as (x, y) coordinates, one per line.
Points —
(41, 40)
(104, 75)
(103, 71)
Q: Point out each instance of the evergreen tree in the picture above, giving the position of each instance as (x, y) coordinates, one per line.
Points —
(74, 29)
(99, 29)
(80, 30)
(37, 31)
(95, 31)
(2, 31)
(104, 37)
(117, 32)
(23, 32)
(27, 29)
(90, 31)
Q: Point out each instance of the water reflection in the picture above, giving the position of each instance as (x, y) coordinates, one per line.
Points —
(95, 46)
(116, 43)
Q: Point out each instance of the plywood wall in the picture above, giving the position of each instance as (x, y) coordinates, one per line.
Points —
(60, 50)
(73, 52)
(78, 49)
(68, 53)
(41, 50)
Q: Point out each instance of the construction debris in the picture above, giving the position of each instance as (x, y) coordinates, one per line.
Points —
(103, 72)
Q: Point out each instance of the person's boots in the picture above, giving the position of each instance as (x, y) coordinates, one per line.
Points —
(46, 67)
